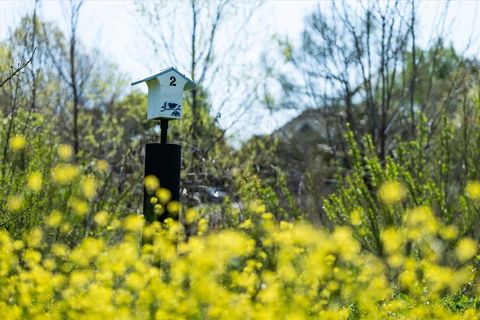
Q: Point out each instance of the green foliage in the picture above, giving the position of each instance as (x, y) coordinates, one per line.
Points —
(259, 177)
(42, 181)
(461, 302)
(438, 183)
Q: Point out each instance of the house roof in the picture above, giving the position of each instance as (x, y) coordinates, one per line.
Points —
(308, 119)
(188, 86)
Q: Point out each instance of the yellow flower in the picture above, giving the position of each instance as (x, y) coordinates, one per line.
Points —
(49, 264)
(89, 187)
(391, 192)
(18, 245)
(173, 207)
(151, 183)
(54, 219)
(257, 207)
(356, 217)
(35, 181)
(64, 173)
(348, 248)
(79, 207)
(449, 232)
(407, 279)
(18, 142)
(59, 250)
(65, 228)
(330, 259)
(421, 221)
(392, 240)
(472, 190)
(396, 260)
(268, 216)
(164, 195)
(158, 209)
(79, 278)
(34, 238)
(32, 257)
(114, 224)
(135, 281)
(65, 151)
(202, 226)
(191, 215)
(101, 218)
(15, 203)
(102, 165)
(247, 224)
(285, 225)
(466, 249)
(133, 223)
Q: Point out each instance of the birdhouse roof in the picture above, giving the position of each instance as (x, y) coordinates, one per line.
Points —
(188, 86)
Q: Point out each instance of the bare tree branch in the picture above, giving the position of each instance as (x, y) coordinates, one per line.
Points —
(18, 69)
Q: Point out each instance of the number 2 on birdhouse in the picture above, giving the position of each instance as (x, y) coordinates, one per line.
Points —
(172, 81)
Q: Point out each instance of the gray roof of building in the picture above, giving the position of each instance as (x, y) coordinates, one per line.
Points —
(188, 86)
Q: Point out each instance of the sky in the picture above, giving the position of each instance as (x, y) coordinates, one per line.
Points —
(112, 27)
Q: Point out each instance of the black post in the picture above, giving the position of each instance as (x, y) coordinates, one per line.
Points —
(162, 160)
(163, 130)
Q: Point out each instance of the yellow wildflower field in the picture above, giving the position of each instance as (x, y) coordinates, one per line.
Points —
(268, 270)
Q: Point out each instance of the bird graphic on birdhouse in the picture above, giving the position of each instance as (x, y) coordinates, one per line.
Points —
(165, 93)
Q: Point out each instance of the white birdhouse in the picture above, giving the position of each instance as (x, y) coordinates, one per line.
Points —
(165, 93)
